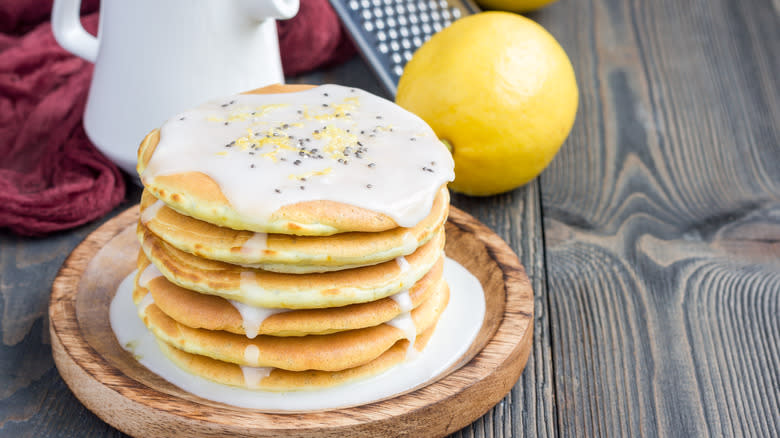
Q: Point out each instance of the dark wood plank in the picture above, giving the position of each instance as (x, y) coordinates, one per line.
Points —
(529, 409)
(662, 220)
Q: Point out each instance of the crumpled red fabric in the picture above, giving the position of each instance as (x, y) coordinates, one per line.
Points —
(312, 39)
(51, 176)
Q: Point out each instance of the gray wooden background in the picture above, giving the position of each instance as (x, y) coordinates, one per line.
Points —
(652, 241)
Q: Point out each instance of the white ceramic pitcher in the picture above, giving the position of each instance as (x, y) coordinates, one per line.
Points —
(155, 58)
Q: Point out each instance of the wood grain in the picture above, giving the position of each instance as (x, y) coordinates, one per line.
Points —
(662, 218)
(529, 409)
(113, 385)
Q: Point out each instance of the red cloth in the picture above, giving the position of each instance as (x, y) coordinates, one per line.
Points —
(314, 38)
(51, 177)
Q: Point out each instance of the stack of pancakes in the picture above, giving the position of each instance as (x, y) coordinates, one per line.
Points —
(331, 294)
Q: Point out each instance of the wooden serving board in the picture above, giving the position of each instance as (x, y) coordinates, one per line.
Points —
(126, 395)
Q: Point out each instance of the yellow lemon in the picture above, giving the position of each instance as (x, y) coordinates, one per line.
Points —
(514, 5)
(500, 90)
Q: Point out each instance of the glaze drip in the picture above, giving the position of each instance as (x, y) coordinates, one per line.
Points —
(253, 375)
(252, 354)
(253, 317)
(403, 300)
(148, 274)
(145, 302)
(402, 263)
(405, 323)
(255, 244)
(150, 212)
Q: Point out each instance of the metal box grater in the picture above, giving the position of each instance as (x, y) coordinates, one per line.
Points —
(387, 32)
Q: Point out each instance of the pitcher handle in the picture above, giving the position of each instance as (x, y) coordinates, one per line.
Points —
(68, 31)
(263, 9)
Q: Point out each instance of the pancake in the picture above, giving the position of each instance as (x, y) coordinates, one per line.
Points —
(286, 253)
(215, 313)
(411, 163)
(292, 291)
(332, 352)
(275, 379)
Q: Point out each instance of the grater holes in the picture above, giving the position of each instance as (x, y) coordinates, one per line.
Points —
(399, 27)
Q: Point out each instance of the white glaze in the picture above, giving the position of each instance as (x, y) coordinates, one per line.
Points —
(461, 320)
(409, 241)
(253, 375)
(148, 274)
(253, 317)
(409, 162)
(251, 354)
(402, 263)
(403, 300)
(151, 211)
(255, 244)
(247, 281)
(145, 302)
(405, 323)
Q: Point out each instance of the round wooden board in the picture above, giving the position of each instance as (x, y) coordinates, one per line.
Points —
(129, 397)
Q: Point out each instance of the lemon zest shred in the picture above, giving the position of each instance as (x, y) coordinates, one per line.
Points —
(325, 171)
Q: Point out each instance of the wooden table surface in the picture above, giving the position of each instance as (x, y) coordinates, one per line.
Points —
(652, 240)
